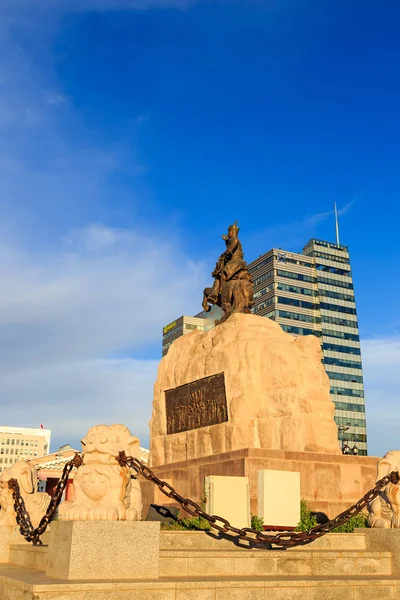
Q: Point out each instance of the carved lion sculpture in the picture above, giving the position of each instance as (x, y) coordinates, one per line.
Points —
(36, 502)
(105, 491)
(384, 511)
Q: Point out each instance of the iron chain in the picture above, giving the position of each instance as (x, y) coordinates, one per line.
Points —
(23, 519)
(284, 539)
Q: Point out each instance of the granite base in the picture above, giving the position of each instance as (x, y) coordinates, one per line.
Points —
(329, 483)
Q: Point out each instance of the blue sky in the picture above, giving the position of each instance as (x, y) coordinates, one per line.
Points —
(132, 132)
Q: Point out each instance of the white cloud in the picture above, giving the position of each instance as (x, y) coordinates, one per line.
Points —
(75, 300)
(63, 315)
(293, 234)
(71, 397)
(55, 99)
(381, 364)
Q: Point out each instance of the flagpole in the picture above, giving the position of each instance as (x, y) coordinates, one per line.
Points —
(337, 225)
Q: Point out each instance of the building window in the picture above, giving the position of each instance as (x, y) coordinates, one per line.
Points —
(8, 442)
(300, 330)
(261, 264)
(335, 307)
(263, 278)
(264, 291)
(284, 287)
(338, 321)
(264, 304)
(284, 314)
(340, 391)
(298, 276)
(333, 257)
(345, 349)
(350, 406)
(345, 377)
(299, 303)
(333, 270)
(337, 295)
(335, 282)
(341, 334)
(352, 421)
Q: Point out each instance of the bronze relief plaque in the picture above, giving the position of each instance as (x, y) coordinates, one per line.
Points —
(197, 404)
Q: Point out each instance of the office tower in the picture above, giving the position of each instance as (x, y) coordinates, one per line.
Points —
(311, 293)
(22, 443)
(203, 322)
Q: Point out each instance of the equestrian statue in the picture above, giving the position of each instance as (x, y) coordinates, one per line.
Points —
(233, 286)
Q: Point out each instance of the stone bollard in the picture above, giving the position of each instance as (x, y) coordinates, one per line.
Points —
(104, 550)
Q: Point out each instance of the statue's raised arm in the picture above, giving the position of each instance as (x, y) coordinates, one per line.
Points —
(233, 286)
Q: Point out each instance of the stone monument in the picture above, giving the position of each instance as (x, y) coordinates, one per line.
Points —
(246, 396)
(244, 384)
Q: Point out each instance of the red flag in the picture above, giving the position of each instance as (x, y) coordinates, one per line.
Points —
(41, 426)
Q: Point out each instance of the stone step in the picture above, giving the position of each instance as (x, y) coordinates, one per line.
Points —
(28, 556)
(194, 551)
(227, 563)
(23, 584)
(201, 540)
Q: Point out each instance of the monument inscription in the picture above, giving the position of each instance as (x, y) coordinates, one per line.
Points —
(197, 404)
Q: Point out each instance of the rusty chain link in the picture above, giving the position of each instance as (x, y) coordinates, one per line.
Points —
(283, 540)
(23, 519)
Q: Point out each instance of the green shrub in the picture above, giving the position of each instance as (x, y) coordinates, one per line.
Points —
(307, 520)
(257, 523)
(360, 520)
(192, 523)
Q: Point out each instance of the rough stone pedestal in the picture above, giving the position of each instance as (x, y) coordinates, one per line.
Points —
(5, 531)
(384, 540)
(276, 388)
(104, 550)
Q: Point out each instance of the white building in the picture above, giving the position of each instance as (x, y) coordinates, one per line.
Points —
(22, 443)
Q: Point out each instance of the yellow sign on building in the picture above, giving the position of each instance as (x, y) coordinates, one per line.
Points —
(169, 327)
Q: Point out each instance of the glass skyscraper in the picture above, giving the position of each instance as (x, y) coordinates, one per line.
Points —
(312, 293)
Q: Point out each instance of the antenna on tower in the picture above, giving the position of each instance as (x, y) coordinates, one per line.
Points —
(337, 225)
